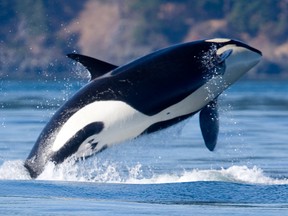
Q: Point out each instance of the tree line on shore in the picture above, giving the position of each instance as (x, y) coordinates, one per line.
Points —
(35, 35)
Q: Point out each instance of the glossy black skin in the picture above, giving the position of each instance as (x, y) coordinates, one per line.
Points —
(149, 84)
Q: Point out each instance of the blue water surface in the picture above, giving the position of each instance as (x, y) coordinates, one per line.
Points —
(166, 173)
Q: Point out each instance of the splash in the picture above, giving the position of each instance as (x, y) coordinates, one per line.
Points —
(13, 170)
(216, 84)
(109, 172)
(208, 60)
(236, 174)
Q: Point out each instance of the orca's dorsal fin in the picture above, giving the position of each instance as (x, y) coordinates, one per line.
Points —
(209, 124)
(94, 66)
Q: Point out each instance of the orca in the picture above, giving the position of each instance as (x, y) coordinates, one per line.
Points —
(146, 95)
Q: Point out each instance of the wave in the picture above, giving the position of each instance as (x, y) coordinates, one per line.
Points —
(107, 172)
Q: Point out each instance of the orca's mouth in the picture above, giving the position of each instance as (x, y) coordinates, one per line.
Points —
(240, 44)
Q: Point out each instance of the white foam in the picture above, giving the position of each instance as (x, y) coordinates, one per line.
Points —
(237, 174)
(111, 172)
(13, 170)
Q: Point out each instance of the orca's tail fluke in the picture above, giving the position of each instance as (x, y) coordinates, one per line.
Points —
(32, 171)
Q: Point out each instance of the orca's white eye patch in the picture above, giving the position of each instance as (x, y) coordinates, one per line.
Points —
(218, 40)
(222, 49)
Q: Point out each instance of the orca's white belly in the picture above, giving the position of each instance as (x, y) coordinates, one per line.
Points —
(122, 122)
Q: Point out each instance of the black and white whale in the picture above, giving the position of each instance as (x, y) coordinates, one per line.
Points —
(143, 96)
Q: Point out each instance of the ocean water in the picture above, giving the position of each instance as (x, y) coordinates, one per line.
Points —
(166, 173)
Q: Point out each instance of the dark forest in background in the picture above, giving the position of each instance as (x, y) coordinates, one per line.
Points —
(35, 35)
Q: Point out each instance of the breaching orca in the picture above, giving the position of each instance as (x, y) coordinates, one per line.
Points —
(143, 96)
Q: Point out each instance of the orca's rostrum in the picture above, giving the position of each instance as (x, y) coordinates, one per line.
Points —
(143, 96)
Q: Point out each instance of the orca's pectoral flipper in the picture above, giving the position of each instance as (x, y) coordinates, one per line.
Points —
(221, 58)
(209, 124)
(94, 66)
